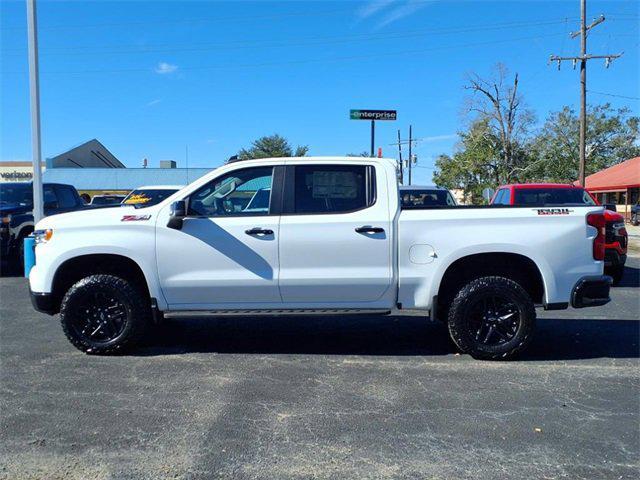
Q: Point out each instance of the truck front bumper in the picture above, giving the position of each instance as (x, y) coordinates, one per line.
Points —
(43, 302)
(591, 291)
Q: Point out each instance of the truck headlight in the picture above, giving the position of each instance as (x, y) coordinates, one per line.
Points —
(43, 236)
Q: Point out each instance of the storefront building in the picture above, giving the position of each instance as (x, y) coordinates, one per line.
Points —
(16, 172)
(619, 184)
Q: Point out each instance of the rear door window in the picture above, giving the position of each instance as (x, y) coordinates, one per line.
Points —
(322, 189)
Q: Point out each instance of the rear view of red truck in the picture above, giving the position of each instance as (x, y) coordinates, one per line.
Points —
(554, 194)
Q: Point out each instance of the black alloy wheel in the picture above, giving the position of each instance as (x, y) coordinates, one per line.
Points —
(491, 318)
(99, 317)
(104, 314)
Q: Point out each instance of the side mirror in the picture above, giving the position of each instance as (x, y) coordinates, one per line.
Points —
(611, 206)
(177, 214)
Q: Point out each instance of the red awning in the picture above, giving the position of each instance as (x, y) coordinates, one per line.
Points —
(619, 177)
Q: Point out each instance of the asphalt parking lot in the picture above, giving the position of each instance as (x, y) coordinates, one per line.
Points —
(322, 397)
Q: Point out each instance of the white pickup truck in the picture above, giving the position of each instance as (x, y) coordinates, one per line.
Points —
(316, 235)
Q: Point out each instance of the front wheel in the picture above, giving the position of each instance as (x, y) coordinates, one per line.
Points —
(104, 314)
(492, 318)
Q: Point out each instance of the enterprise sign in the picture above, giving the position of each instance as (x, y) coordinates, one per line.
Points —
(373, 114)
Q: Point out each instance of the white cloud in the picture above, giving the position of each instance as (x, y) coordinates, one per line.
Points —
(439, 138)
(373, 7)
(387, 12)
(164, 68)
(154, 102)
(402, 11)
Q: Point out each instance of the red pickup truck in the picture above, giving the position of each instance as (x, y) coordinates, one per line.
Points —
(552, 194)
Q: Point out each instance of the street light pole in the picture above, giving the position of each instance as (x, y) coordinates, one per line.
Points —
(34, 92)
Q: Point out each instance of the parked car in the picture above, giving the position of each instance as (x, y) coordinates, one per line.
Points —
(635, 214)
(110, 199)
(554, 194)
(16, 213)
(333, 238)
(427, 196)
(150, 195)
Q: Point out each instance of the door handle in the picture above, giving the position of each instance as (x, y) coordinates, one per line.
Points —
(259, 231)
(369, 229)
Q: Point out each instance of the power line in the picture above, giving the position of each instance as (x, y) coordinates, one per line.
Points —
(614, 95)
(187, 21)
(300, 62)
(126, 49)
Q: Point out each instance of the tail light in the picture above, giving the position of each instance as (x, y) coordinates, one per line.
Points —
(599, 222)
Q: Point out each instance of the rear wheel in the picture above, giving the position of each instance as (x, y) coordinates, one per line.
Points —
(104, 314)
(492, 318)
(616, 273)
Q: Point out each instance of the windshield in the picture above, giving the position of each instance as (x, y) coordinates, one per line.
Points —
(553, 196)
(426, 198)
(16, 194)
(147, 197)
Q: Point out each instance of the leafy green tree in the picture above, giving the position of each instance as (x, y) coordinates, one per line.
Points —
(271, 146)
(475, 165)
(612, 137)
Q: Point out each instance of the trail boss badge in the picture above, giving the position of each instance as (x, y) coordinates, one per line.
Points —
(553, 211)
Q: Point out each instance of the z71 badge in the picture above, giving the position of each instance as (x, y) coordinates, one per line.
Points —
(135, 218)
(553, 211)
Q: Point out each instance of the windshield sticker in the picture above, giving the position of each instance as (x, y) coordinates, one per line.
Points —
(553, 211)
(135, 218)
(137, 198)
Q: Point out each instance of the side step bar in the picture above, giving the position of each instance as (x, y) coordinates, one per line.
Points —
(272, 312)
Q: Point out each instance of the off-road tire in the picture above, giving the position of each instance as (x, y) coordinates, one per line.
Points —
(469, 295)
(135, 303)
(616, 272)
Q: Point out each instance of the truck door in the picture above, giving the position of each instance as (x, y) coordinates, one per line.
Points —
(226, 254)
(335, 236)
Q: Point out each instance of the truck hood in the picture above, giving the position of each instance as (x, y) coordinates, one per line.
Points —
(14, 209)
(98, 217)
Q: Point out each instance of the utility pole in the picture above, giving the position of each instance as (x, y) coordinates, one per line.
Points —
(34, 93)
(410, 156)
(400, 158)
(583, 58)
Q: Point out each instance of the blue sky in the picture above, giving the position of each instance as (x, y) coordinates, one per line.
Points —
(150, 78)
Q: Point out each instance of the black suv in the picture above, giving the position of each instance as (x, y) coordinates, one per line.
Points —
(16, 213)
